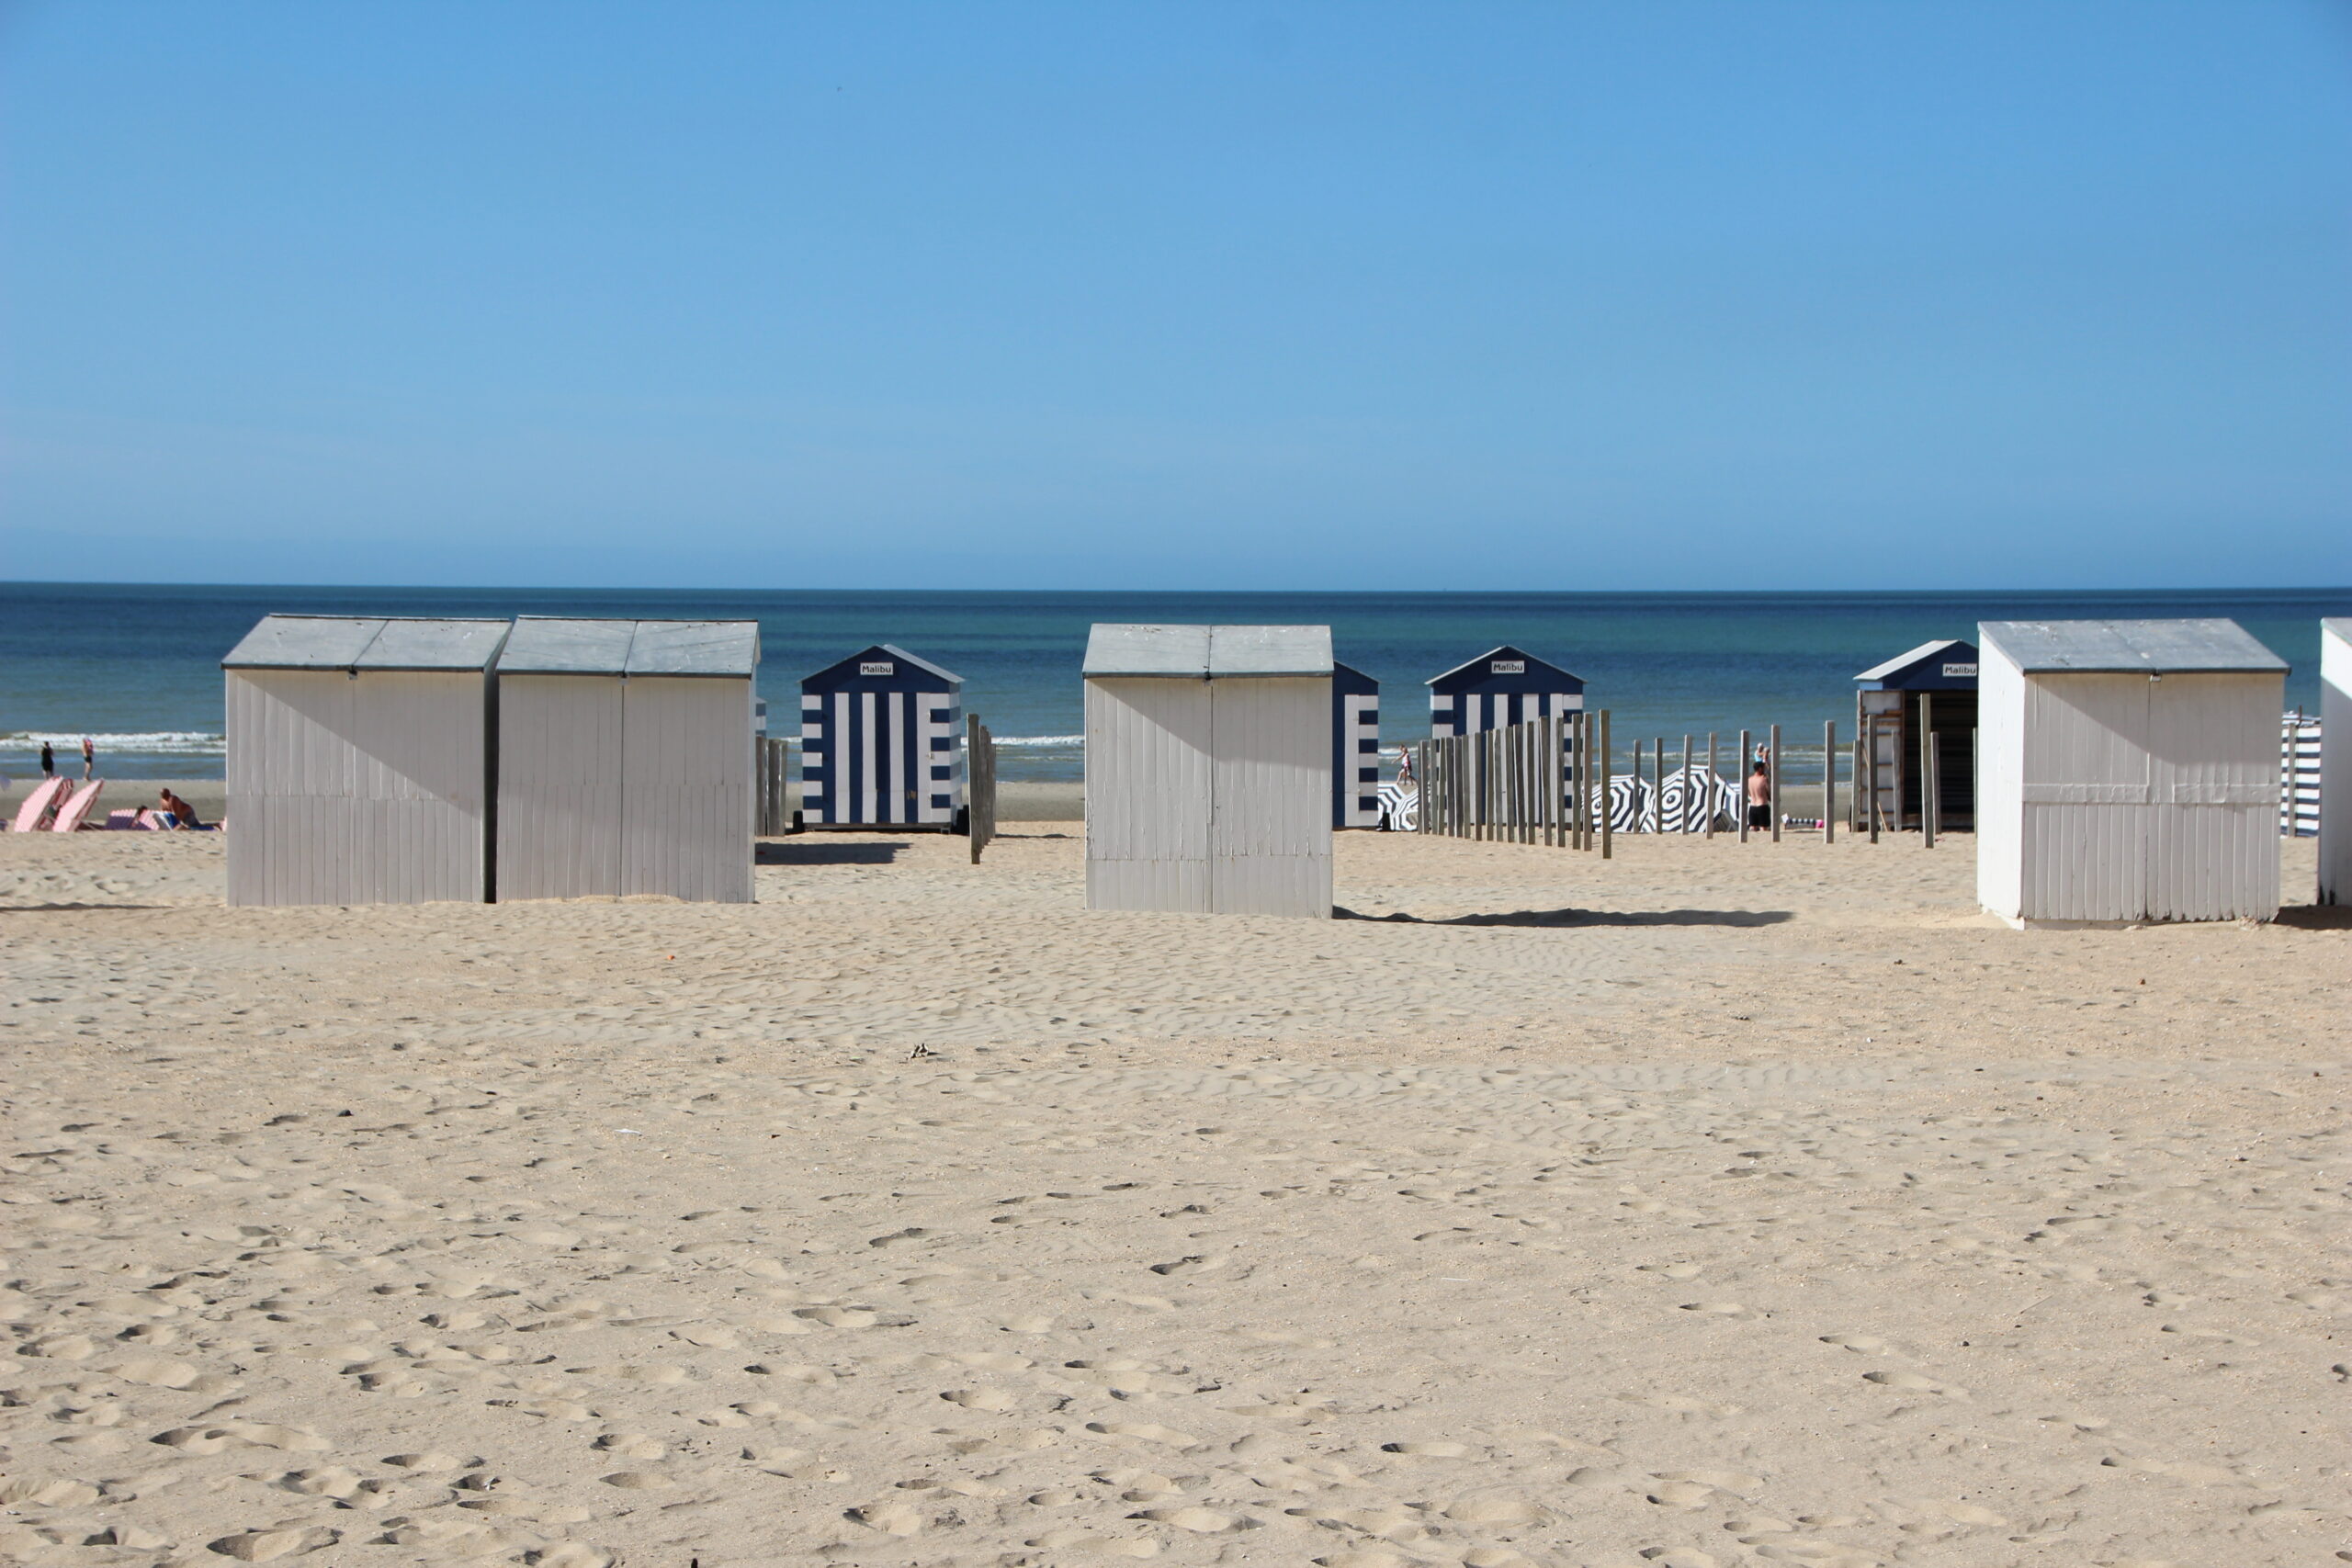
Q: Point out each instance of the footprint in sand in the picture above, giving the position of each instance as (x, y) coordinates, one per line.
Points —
(1915, 1382)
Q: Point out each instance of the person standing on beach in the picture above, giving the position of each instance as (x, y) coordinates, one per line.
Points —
(1760, 797)
(48, 762)
(89, 760)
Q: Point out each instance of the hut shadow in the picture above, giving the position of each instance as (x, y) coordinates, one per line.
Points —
(2317, 916)
(1556, 918)
(827, 852)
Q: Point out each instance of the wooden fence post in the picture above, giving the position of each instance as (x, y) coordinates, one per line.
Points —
(1829, 781)
(1772, 784)
(1743, 748)
(1601, 752)
(1927, 770)
(1711, 777)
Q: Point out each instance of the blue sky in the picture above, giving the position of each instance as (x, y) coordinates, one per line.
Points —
(1133, 296)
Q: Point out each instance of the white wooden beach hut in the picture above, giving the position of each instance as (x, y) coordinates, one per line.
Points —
(625, 762)
(2127, 771)
(2336, 761)
(359, 759)
(1208, 769)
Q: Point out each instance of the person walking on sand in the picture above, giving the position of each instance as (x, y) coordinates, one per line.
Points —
(48, 761)
(1760, 797)
(89, 760)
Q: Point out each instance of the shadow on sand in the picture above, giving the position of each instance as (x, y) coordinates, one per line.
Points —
(1556, 917)
(2317, 916)
(816, 851)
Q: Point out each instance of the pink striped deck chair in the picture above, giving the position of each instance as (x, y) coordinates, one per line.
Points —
(70, 815)
(39, 805)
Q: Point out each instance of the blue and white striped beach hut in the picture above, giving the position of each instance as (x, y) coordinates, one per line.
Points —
(1355, 749)
(882, 743)
(1503, 686)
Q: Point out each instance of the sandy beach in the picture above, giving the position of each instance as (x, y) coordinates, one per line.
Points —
(1708, 1206)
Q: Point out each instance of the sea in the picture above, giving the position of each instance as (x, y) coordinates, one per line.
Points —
(136, 667)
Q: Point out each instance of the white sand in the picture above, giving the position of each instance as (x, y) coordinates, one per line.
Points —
(1723, 1206)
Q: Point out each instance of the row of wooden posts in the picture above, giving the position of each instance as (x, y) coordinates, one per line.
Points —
(1547, 781)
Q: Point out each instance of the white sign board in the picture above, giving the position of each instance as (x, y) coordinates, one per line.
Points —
(876, 667)
(1507, 666)
(1960, 672)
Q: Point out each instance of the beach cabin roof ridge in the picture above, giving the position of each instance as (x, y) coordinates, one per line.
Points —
(893, 651)
(2214, 645)
(1928, 667)
(1501, 651)
(385, 643)
(1206, 652)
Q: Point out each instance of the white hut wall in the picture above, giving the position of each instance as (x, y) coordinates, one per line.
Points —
(1148, 793)
(2085, 793)
(559, 786)
(2000, 801)
(686, 773)
(2214, 796)
(357, 790)
(1269, 836)
(2335, 765)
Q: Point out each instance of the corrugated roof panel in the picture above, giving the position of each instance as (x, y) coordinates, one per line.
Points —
(1269, 650)
(695, 648)
(1114, 649)
(1208, 651)
(304, 642)
(2216, 646)
(556, 645)
(434, 644)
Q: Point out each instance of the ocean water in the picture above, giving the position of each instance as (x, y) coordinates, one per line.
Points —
(137, 666)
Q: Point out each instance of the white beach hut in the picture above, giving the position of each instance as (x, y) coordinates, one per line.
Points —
(2127, 771)
(359, 753)
(1208, 769)
(625, 762)
(2336, 761)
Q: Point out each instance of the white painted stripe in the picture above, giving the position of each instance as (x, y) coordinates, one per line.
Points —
(866, 804)
(896, 810)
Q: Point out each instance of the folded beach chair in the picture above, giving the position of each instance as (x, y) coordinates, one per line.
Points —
(157, 821)
(122, 820)
(39, 805)
(69, 815)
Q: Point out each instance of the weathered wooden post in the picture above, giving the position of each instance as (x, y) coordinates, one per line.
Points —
(1711, 777)
(1927, 770)
(1772, 784)
(1602, 753)
(1829, 781)
(1742, 770)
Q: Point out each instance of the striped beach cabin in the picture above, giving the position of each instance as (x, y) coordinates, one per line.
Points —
(1355, 749)
(1208, 769)
(1931, 691)
(2336, 761)
(359, 754)
(625, 762)
(1503, 686)
(2128, 771)
(882, 743)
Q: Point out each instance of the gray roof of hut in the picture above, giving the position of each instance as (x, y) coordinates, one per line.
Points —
(366, 642)
(2340, 625)
(554, 645)
(2216, 646)
(1205, 653)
